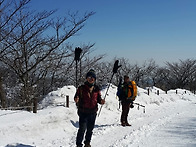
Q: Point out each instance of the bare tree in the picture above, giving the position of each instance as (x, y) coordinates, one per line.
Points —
(62, 70)
(30, 48)
(149, 69)
(180, 73)
(161, 78)
(8, 11)
(2, 95)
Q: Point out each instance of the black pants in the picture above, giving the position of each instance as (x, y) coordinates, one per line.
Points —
(125, 111)
(86, 124)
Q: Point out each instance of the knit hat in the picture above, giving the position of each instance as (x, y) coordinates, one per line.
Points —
(91, 73)
(126, 77)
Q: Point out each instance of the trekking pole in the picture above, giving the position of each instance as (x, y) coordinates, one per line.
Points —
(115, 68)
(140, 106)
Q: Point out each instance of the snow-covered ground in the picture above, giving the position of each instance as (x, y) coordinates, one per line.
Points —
(169, 121)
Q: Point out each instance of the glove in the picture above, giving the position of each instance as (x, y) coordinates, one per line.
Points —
(131, 106)
(102, 101)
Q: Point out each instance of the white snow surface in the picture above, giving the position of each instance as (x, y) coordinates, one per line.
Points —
(169, 121)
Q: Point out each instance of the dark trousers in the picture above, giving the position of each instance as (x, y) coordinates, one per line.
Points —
(125, 111)
(86, 124)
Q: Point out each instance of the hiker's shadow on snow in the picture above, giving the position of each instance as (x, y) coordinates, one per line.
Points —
(107, 125)
(75, 124)
(19, 145)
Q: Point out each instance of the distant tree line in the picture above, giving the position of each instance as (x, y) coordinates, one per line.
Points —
(36, 58)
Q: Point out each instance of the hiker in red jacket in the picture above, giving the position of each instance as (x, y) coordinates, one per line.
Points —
(87, 97)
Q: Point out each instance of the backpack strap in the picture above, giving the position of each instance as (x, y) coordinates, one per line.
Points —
(131, 89)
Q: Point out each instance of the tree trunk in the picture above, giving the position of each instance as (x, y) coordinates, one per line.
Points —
(2, 94)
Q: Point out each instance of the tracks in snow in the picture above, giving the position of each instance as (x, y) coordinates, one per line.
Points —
(114, 135)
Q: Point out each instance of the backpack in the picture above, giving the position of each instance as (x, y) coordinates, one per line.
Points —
(131, 92)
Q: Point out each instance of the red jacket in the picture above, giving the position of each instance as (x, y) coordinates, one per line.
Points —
(88, 100)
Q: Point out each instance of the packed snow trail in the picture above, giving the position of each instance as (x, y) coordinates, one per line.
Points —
(167, 125)
(179, 131)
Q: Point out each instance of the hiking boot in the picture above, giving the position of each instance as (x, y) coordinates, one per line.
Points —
(127, 124)
(87, 144)
(123, 124)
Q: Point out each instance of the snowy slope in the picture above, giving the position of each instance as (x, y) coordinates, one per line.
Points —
(169, 120)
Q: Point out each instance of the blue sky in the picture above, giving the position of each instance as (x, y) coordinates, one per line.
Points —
(138, 30)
